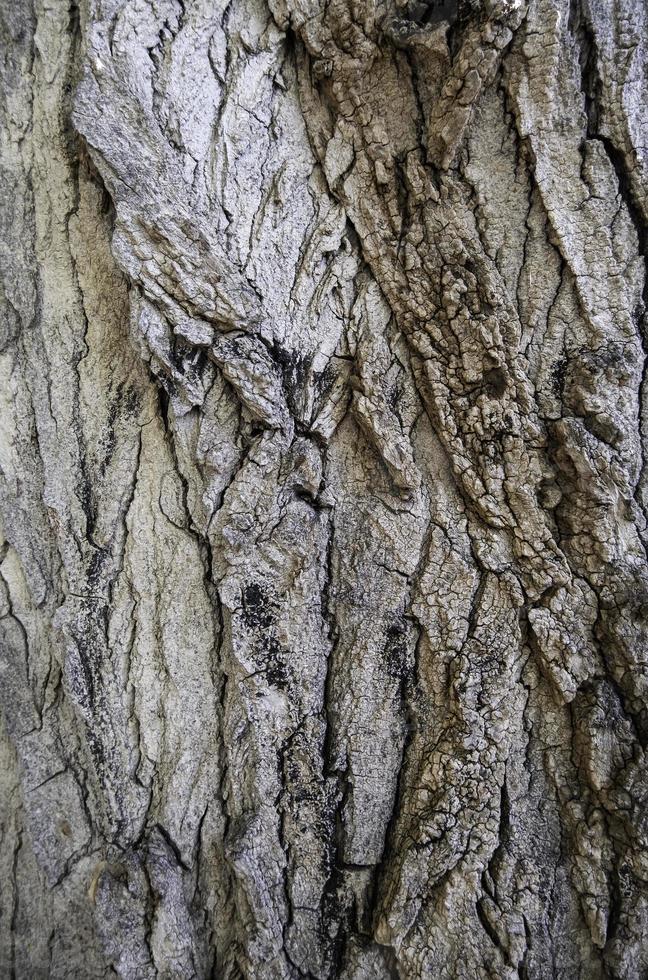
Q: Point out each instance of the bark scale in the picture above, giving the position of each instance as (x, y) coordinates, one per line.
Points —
(323, 577)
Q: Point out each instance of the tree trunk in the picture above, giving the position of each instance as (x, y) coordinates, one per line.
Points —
(324, 585)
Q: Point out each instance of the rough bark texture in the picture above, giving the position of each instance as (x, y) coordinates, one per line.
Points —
(324, 588)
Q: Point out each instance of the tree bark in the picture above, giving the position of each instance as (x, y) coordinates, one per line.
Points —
(323, 570)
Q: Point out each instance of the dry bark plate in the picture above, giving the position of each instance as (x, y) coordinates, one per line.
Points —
(323, 574)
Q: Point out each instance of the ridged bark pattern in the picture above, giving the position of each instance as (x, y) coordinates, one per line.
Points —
(323, 564)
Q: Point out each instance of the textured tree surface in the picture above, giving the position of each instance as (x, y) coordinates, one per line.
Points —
(323, 577)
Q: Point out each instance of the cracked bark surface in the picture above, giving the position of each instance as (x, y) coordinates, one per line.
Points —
(323, 564)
